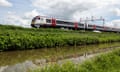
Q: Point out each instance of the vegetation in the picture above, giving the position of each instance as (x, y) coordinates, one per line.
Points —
(109, 62)
(18, 38)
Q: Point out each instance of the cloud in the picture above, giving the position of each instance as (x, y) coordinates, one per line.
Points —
(67, 9)
(76, 9)
(5, 3)
(16, 20)
(116, 11)
(116, 23)
(109, 24)
(62, 8)
(24, 21)
(31, 14)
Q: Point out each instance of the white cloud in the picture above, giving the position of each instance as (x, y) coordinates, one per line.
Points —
(31, 14)
(24, 21)
(5, 3)
(63, 8)
(116, 23)
(70, 8)
(116, 11)
(109, 24)
(16, 20)
(76, 9)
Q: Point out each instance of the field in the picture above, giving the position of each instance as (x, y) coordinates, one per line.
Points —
(18, 38)
(108, 62)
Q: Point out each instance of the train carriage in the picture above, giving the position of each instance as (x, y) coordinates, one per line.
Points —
(40, 21)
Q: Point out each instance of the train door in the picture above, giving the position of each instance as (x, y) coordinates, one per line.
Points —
(94, 27)
(53, 22)
(76, 25)
(85, 26)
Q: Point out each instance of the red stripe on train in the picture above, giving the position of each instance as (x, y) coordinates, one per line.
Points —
(53, 22)
(94, 27)
(76, 25)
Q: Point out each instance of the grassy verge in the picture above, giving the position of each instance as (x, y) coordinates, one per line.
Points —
(109, 62)
(17, 38)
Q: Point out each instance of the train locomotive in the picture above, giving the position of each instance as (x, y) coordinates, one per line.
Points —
(40, 21)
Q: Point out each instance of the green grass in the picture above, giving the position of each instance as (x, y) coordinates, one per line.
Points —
(18, 38)
(109, 62)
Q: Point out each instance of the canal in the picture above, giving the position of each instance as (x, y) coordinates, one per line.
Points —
(22, 61)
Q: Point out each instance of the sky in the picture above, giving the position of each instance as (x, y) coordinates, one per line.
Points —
(20, 12)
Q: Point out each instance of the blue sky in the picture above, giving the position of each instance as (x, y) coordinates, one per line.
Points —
(20, 12)
(18, 6)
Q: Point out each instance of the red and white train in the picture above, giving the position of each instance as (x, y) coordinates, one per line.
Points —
(40, 21)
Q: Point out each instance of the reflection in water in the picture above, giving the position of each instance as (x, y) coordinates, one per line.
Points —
(20, 67)
(21, 61)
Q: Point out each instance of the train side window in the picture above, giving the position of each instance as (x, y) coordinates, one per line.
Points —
(59, 22)
(99, 26)
(48, 20)
(69, 23)
(66, 22)
(81, 24)
(90, 25)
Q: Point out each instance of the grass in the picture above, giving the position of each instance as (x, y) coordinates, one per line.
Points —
(18, 38)
(109, 62)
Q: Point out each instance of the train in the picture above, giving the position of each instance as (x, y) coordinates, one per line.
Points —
(41, 21)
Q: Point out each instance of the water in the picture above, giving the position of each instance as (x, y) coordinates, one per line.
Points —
(23, 61)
